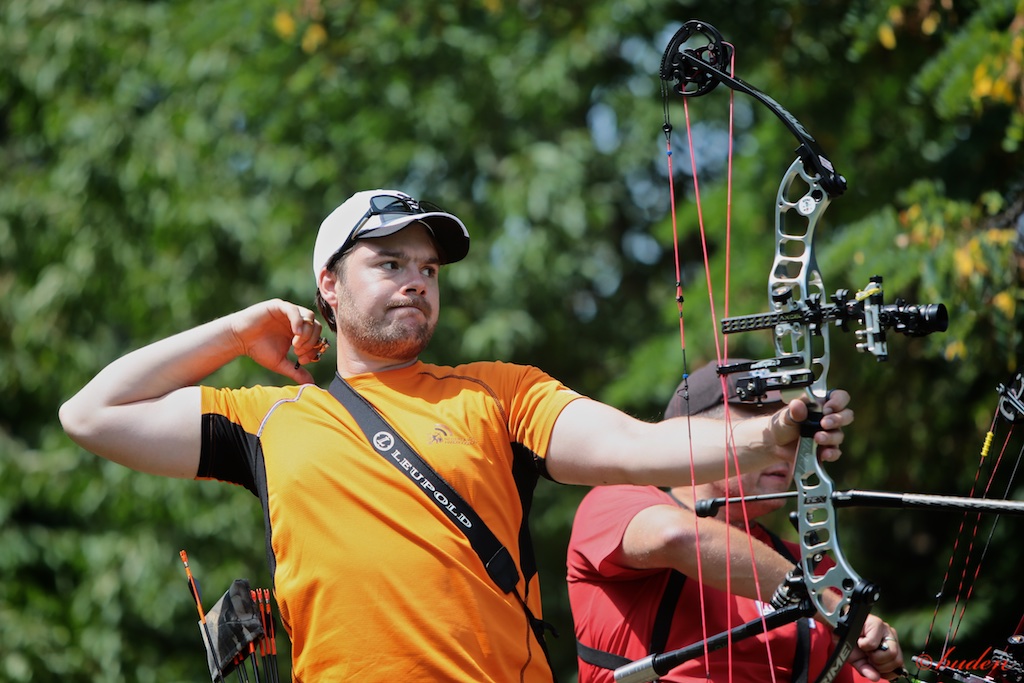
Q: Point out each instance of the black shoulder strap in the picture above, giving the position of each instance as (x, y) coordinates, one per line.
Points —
(659, 633)
(600, 658)
(666, 610)
(393, 448)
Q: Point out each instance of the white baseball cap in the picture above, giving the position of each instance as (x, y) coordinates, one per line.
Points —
(377, 213)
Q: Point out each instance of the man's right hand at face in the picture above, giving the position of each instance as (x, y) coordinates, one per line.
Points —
(268, 331)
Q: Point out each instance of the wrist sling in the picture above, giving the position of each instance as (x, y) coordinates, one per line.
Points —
(392, 447)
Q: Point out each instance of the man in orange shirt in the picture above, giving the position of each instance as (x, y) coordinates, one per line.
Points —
(635, 577)
(379, 560)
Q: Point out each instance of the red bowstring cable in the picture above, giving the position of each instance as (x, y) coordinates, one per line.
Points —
(731, 444)
(718, 355)
(682, 341)
(721, 352)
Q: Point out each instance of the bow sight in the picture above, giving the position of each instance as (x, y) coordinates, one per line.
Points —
(865, 307)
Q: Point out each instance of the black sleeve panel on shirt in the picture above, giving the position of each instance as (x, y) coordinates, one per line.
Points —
(228, 452)
(525, 471)
(534, 461)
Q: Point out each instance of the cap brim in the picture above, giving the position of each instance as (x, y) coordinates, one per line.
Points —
(449, 232)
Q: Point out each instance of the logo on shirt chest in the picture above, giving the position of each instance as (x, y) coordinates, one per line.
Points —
(443, 434)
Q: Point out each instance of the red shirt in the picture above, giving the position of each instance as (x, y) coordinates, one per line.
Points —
(614, 606)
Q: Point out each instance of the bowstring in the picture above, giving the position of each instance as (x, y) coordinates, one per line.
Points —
(991, 533)
(680, 299)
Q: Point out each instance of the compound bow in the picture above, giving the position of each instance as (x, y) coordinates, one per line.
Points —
(695, 62)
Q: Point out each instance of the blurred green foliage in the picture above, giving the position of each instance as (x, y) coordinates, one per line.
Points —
(163, 163)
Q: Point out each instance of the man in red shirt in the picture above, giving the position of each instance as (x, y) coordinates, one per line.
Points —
(634, 548)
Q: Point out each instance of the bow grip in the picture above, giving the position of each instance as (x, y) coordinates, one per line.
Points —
(812, 425)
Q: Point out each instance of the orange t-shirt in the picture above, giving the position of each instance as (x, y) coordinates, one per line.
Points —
(374, 582)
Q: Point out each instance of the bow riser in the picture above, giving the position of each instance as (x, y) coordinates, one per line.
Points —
(795, 277)
(819, 538)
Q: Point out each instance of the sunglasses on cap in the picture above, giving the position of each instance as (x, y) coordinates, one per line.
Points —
(390, 207)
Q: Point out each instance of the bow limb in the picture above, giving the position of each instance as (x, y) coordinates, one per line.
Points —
(698, 69)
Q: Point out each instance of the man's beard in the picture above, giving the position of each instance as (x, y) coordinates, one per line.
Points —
(399, 340)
